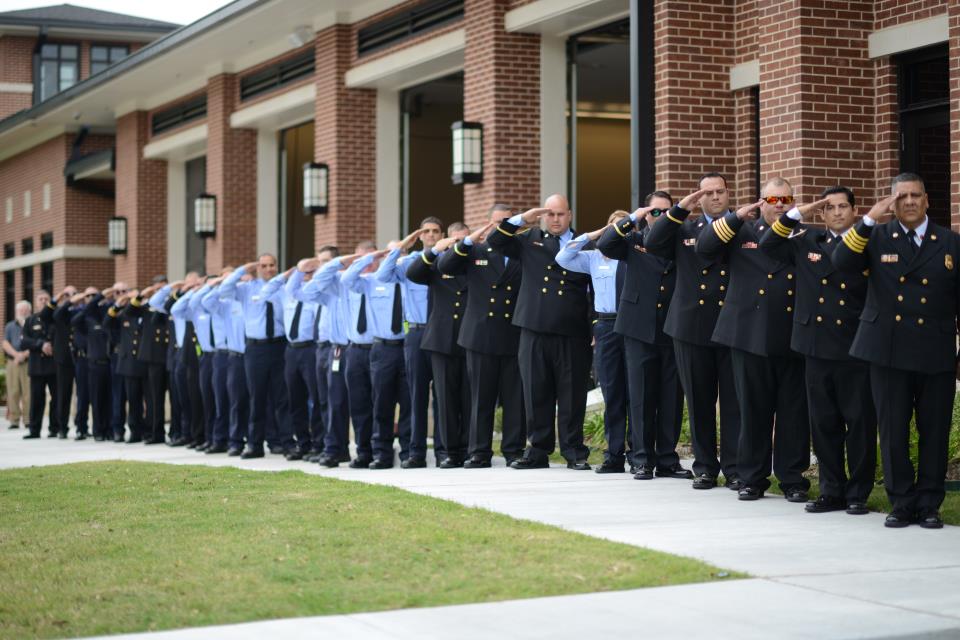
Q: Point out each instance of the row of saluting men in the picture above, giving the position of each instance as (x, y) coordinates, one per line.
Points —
(833, 330)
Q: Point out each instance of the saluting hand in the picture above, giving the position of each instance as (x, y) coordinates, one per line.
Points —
(411, 240)
(480, 234)
(749, 212)
(595, 235)
(532, 216)
(884, 207)
(77, 298)
(443, 245)
(308, 265)
(692, 201)
(251, 267)
(807, 210)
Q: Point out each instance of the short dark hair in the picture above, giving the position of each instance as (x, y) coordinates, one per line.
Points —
(907, 177)
(712, 174)
(456, 226)
(847, 191)
(431, 220)
(334, 251)
(657, 194)
(499, 207)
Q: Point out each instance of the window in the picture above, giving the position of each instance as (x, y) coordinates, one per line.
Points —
(9, 250)
(46, 276)
(46, 240)
(10, 294)
(278, 75)
(102, 56)
(179, 114)
(27, 274)
(59, 68)
(26, 246)
(408, 24)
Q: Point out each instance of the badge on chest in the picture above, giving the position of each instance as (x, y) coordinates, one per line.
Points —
(481, 263)
(813, 256)
(890, 258)
(689, 242)
(749, 245)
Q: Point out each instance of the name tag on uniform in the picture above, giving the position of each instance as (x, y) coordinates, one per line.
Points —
(126, 324)
(689, 242)
(539, 244)
(890, 257)
(748, 245)
(481, 263)
(380, 288)
(447, 276)
(605, 267)
(639, 248)
(335, 365)
(813, 256)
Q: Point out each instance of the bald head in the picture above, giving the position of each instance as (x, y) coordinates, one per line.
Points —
(557, 220)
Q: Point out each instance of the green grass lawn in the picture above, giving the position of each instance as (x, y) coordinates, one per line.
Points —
(110, 547)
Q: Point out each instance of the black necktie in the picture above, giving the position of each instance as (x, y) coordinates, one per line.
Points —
(552, 243)
(621, 276)
(213, 342)
(269, 319)
(911, 245)
(362, 316)
(295, 325)
(316, 323)
(396, 326)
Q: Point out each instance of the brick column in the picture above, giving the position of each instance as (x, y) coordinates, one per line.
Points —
(142, 198)
(345, 139)
(695, 111)
(817, 95)
(231, 176)
(502, 91)
(953, 13)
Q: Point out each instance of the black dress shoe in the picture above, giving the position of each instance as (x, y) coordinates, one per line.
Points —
(749, 494)
(98, 438)
(609, 466)
(413, 463)
(330, 462)
(379, 463)
(676, 471)
(476, 462)
(344, 458)
(360, 463)
(220, 448)
(530, 463)
(80, 436)
(234, 452)
(191, 445)
(795, 494)
(510, 461)
(857, 508)
(294, 454)
(203, 446)
(134, 440)
(734, 483)
(53, 434)
(62, 435)
(898, 520)
(643, 473)
(825, 504)
(704, 481)
(118, 438)
(154, 441)
(15, 425)
(578, 465)
(930, 519)
(31, 436)
(251, 453)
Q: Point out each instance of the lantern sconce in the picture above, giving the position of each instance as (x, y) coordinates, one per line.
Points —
(117, 235)
(316, 183)
(467, 152)
(205, 215)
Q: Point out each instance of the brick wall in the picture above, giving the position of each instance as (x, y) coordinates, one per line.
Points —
(16, 66)
(345, 139)
(954, 18)
(142, 198)
(889, 13)
(502, 91)
(231, 176)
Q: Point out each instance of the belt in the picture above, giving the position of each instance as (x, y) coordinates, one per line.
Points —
(389, 343)
(223, 351)
(234, 354)
(265, 340)
(303, 344)
(324, 344)
(358, 345)
(606, 316)
(416, 325)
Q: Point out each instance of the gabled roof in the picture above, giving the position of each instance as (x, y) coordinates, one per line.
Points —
(68, 15)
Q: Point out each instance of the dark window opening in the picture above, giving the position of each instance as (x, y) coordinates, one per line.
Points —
(10, 295)
(9, 250)
(102, 56)
(46, 277)
(26, 246)
(179, 114)
(27, 276)
(59, 68)
(278, 75)
(46, 240)
(407, 24)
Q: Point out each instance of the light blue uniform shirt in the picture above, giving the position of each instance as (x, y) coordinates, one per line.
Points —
(231, 312)
(157, 302)
(201, 319)
(308, 312)
(254, 295)
(602, 270)
(294, 289)
(327, 288)
(394, 269)
(218, 315)
(379, 298)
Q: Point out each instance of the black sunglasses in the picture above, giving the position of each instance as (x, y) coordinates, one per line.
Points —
(656, 213)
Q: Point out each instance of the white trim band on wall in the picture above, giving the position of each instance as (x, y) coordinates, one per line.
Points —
(419, 63)
(16, 87)
(63, 252)
(745, 75)
(909, 36)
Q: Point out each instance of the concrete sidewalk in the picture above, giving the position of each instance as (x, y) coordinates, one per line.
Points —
(826, 575)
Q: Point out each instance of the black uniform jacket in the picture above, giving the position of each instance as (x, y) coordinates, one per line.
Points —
(757, 314)
(36, 331)
(492, 289)
(909, 319)
(701, 280)
(648, 284)
(447, 304)
(89, 323)
(828, 301)
(127, 321)
(551, 299)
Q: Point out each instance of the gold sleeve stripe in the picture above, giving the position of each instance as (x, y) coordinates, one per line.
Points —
(456, 249)
(506, 233)
(854, 242)
(423, 256)
(136, 302)
(674, 219)
(617, 228)
(723, 230)
(112, 312)
(781, 229)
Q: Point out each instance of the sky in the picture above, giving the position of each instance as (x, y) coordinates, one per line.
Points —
(177, 11)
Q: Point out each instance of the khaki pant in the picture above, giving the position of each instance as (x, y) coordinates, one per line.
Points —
(18, 393)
